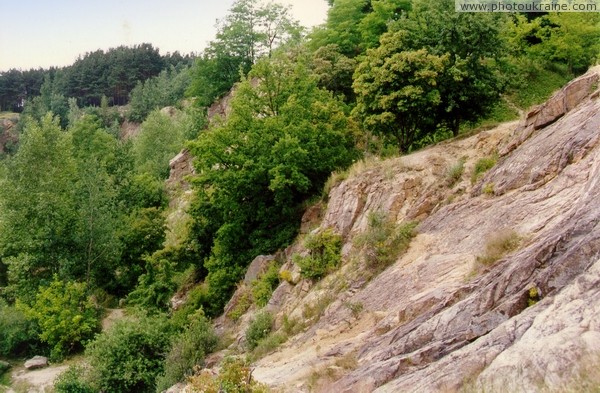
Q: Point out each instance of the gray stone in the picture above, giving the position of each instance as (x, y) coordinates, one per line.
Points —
(36, 362)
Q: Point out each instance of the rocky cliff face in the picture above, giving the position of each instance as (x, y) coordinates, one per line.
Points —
(438, 319)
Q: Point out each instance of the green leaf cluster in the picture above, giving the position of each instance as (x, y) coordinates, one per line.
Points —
(277, 148)
(324, 254)
(65, 315)
(130, 356)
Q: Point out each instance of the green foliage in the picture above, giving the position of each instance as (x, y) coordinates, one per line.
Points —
(38, 211)
(17, 334)
(74, 380)
(142, 235)
(66, 317)
(334, 70)
(156, 286)
(482, 166)
(130, 356)
(166, 89)
(397, 89)
(281, 141)
(249, 31)
(258, 329)
(188, 351)
(384, 240)
(235, 376)
(265, 284)
(471, 80)
(355, 25)
(570, 39)
(324, 254)
(160, 139)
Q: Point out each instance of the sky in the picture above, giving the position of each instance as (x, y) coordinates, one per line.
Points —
(38, 33)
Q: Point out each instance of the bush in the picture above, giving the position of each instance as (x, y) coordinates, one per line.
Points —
(324, 254)
(130, 356)
(16, 332)
(65, 315)
(498, 245)
(188, 351)
(235, 376)
(265, 284)
(482, 166)
(259, 328)
(384, 240)
(74, 380)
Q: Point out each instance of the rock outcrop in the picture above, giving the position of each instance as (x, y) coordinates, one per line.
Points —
(437, 320)
(36, 362)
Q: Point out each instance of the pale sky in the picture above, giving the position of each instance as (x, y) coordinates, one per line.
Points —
(39, 33)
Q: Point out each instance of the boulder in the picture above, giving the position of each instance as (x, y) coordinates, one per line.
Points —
(36, 362)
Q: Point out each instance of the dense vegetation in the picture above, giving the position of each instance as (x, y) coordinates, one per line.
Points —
(83, 211)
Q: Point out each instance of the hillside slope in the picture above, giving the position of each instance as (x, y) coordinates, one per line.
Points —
(437, 319)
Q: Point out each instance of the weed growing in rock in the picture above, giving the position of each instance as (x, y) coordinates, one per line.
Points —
(498, 245)
(265, 284)
(259, 328)
(243, 303)
(324, 254)
(482, 166)
(384, 240)
(455, 172)
(488, 189)
(235, 375)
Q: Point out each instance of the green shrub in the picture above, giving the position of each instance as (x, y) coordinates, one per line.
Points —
(156, 286)
(130, 356)
(258, 329)
(384, 240)
(66, 317)
(265, 284)
(324, 254)
(482, 166)
(17, 334)
(235, 376)
(74, 380)
(187, 351)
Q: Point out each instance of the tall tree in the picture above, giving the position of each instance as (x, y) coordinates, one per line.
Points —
(249, 31)
(279, 145)
(38, 208)
(398, 91)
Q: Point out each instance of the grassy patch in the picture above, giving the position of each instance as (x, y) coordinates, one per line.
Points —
(498, 245)
(455, 172)
(482, 166)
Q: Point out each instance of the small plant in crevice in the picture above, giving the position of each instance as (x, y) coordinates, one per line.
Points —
(482, 166)
(455, 172)
(498, 245)
(265, 284)
(324, 254)
(259, 328)
(384, 240)
(312, 312)
(533, 296)
(235, 375)
(488, 189)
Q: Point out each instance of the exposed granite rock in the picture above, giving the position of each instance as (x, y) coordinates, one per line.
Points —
(431, 322)
(36, 362)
